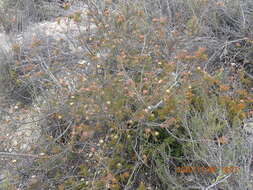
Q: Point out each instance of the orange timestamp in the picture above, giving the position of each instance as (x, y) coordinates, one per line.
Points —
(209, 169)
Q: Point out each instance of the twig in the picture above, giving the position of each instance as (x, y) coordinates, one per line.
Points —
(216, 183)
(249, 75)
(8, 154)
(136, 167)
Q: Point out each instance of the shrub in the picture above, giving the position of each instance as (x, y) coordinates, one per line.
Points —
(152, 98)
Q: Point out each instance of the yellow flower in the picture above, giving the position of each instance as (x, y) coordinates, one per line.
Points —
(157, 133)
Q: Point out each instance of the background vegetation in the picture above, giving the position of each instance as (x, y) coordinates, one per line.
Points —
(136, 93)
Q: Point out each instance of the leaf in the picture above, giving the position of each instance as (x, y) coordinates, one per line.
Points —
(222, 140)
(141, 186)
(61, 187)
(66, 6)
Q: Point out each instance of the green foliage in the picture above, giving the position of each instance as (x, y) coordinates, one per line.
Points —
(141, 186)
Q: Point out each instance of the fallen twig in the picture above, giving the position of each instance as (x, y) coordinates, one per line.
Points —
(9, 154)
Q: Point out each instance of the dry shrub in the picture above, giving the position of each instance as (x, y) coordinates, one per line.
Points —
(152, 89)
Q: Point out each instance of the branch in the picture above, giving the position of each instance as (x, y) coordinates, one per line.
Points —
(216, 183)
(7, 154)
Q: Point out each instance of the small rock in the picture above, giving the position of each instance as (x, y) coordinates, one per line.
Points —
(28, 133)
(24, 147)
(248, 127)
(42, 154)
(14, 143)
